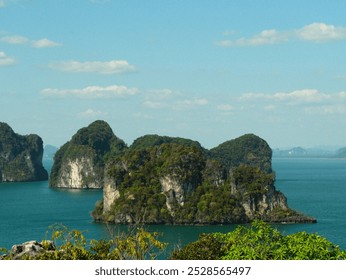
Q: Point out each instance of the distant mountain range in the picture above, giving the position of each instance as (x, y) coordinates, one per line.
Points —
(310, 152)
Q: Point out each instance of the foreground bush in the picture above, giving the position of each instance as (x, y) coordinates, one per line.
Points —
(260, 242)
(66, 244)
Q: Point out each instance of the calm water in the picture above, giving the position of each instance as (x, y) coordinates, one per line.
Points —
(316, 187)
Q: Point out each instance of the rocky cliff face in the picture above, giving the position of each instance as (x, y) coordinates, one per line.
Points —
(257, 193)
(80, 162)
(20, 156)
(110, 194)
(80, 173)
(172, 180)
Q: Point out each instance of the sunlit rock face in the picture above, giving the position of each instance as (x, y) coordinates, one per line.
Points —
(80, 163)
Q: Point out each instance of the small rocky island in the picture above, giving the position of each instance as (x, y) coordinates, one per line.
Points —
(80, 163)
(172, 180)
(20, 156)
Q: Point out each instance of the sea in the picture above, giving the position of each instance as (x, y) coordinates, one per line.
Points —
(313, 186)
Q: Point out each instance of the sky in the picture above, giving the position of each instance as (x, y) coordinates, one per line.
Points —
(209, 71)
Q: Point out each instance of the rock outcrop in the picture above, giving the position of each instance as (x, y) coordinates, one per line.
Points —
(172, 180)
(80, 162)
(20, 156)
(175, 180)
(29, 250)
(110, 194)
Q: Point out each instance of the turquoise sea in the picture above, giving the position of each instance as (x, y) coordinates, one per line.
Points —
(315, 186)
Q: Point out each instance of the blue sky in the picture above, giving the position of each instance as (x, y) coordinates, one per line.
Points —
(205, 70)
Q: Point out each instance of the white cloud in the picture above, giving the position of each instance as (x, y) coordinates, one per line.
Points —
(44, 43)
(16, 39)
(5, 3)
(171, 99)
(269, 108)
(161, 94)
(315, 32)
(90, 113)
(225, 107)
(320, 32)
(309, 101)
(326, 109)
(91, 92)
(6, 60)
(22, 40)
(103, 67)
(294, 97)
(342, 94)
(190, 103)
(141, 115)
(341, 77)
(154, 104)
(266, 37)
(160, 98)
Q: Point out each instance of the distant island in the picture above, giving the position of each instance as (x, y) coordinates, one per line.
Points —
(49, 152)
(20, 156)
(172, 180)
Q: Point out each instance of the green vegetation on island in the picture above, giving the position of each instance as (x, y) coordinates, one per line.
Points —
(248, 149)
(20, 156)
(172, 180)
(80, 162)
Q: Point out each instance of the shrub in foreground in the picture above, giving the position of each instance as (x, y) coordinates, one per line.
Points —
(65, 244)
(260, 241)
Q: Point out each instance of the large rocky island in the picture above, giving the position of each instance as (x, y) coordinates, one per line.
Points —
(20, 156)
(171, 180)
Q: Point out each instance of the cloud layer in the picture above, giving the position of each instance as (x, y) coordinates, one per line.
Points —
(294, 97)
(22, 40)
(309, 101)
(315, 32)
(91, 92)
(6, 60)
(102, 67)
(169, 99)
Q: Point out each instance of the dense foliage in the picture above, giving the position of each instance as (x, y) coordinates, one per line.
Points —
(151, 140)
(175, 180)
(96, 143)
(260, 241)
(20, 156)
(248, 149)
(257, 241)
(137, 175)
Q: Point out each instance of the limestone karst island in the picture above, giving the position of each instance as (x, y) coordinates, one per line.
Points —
(20, 156)
(170, 180)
